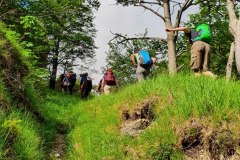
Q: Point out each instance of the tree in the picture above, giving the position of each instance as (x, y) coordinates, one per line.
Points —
(64, 26)
(165, 10)
(15, 13)
(234, 28)
(70, 30)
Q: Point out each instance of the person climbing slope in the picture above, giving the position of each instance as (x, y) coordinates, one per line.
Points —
(143, 62)
(109, 82)
(85, 85)
(200, 39)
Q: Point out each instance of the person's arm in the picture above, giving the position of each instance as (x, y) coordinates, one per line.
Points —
(63, 80)
(184, 29)
(153, 60)
(132, 57)
(102, 85)
(81, 87)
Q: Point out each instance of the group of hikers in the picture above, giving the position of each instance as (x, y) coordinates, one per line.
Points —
(68, 81)
(142, 61)
(107, 84)
(199, 38)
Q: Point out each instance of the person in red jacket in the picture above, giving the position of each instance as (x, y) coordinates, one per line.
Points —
(109, 82)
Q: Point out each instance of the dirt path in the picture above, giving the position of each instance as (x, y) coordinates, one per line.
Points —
(58, 147)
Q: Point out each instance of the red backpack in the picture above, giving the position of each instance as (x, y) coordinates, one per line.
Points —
(109, 79)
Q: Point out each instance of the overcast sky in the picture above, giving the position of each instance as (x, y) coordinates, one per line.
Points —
(125, 20)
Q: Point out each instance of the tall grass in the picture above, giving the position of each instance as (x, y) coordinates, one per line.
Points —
(93, 126)
(182, 97)
(19, 138)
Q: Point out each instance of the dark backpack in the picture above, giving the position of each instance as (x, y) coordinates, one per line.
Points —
(88, 83)
(74, 76)
(145, 60)
(109, 79)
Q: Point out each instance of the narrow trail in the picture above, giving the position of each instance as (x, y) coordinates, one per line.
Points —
(58, 147)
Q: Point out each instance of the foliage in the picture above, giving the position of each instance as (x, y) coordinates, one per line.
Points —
(70, 30)
(34, 38)
(56, 32)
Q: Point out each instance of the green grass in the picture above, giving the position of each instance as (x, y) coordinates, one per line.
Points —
(19, 132)
(93, 126)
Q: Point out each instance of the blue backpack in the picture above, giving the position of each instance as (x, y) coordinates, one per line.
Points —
(145, 59)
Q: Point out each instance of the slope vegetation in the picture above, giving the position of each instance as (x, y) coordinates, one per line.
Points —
(178, 117)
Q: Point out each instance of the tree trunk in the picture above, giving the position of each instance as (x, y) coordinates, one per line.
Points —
(237, 46)
(55, 59)
(171, 40)
(54, 68)
(172, 64)
(234, 28)
(230, 62)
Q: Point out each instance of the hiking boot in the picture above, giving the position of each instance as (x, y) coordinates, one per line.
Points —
(209, 74)
(197, 74)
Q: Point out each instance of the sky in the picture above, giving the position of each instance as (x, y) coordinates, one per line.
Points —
(125, 20)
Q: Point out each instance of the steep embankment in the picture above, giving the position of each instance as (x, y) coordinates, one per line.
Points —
(26, 131)
(19, 129)
(178, 117)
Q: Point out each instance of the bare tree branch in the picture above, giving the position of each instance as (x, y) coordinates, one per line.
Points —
(126, 39)
(1, 3)
(152, 3)
(186, 4)
(173, 10)
(153, 11)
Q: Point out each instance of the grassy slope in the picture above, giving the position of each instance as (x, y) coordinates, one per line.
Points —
(19, 132)
(94, 124)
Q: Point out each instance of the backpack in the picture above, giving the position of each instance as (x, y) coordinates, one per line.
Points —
(204, 33)
(88, 83)
(74, 76)
(145, 59)
(109, 79)
(66, 82)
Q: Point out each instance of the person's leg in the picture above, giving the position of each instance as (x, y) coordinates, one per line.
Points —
(206, 60)
(146, 72)
(140, 73)
(65, 88)
(196, 57)
(106, 89)
(70, 87)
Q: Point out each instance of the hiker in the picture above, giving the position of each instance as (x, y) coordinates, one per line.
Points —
(143, 62)
(109, 82)
(199, 38)
(85, 85)
(72, 80)
(99, 87)
(66, 82)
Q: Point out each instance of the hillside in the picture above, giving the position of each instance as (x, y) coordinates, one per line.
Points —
(168, 117)
(179, 117)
